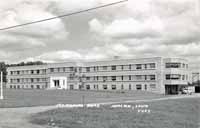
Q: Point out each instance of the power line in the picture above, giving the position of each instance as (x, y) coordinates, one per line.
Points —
(65, 15)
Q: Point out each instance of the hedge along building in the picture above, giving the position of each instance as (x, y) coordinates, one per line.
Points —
(159, 75)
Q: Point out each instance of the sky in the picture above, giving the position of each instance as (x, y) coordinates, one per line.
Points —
(134, 29)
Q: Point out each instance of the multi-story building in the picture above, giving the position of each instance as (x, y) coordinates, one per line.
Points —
(159, 75)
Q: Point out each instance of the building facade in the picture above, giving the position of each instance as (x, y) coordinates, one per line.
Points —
(159, 75)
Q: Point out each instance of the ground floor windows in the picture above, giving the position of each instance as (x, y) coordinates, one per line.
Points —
(122, 87)
(114, 87)
(105, 87)
(129, 87)
(153, 86)
(71, 86)
(139, 87)
(145, 87)
(88, 87)
(96, 86)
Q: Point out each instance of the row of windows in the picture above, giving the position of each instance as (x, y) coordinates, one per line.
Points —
(114, 87)
(26, 72)
(104, 68)
(176, 77)
(26, 80)
(122, 67)
(27, 86)
(176, 65)
(129, 77)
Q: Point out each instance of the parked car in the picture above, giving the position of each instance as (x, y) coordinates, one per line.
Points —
(187, 91)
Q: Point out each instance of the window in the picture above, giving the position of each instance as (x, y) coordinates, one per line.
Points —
(71, 86)
(31, 80)
(87, 78)
(58, 69)
(71, 69)
(38, 79)
(122, 77)
(10, 86)
(104, 67)
(129, 87)
(96, 86)
(38, 86)
(63, 69)
(104, 78)
(87, 69)
(139, 87)
(129, 67)
(114, 87)
(145, 77)
(129, 77)
(88, 87)
(173, 65)
(138, 66)
(152, 65)
(173, 77)
(71, 78)
(32, 72)
(122, 87)
(167, 77)
(183, 77)
(105, 87)
(18, 72)
(113, 67)
(152, 77)
(51, 69)
(145, 87)
(11, 72)
(145, 66)
(113, 78)
(138, 77)
(122, 67)
(153, 86)
(183, 65)
(38, 71)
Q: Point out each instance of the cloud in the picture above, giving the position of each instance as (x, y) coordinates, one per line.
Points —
(143, 28)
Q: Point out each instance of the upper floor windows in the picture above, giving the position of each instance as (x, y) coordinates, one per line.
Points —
(105, 67)
(71, 69)
(176, 65)
(113, 67)
(87, 69)
(138, 66)
(173, 77)
(152, 65)
(51, 69)
(113, 78)
(152, 77)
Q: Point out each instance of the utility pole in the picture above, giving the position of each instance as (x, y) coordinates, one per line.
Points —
(1, 96)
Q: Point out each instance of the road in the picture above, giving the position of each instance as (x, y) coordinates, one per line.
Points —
(18, 117)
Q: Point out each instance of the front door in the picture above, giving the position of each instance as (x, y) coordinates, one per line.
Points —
(171, 89)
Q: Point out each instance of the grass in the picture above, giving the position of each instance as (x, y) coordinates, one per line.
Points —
(27, 98)
(179, 113)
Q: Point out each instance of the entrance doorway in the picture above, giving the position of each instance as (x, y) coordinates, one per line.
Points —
(171, 89)
(197, 89)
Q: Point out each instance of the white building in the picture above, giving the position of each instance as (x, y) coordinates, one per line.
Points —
(159, 75)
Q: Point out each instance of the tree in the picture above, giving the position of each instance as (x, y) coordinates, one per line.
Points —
(3, 69)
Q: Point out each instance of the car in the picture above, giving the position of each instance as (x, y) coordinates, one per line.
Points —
(187, 91)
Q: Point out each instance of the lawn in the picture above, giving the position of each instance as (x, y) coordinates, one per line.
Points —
(179, 113)
(27, 98)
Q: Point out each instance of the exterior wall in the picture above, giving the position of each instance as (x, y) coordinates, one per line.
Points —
(147, 74)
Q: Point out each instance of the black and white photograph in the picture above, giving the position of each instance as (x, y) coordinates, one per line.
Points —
(99, 63)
